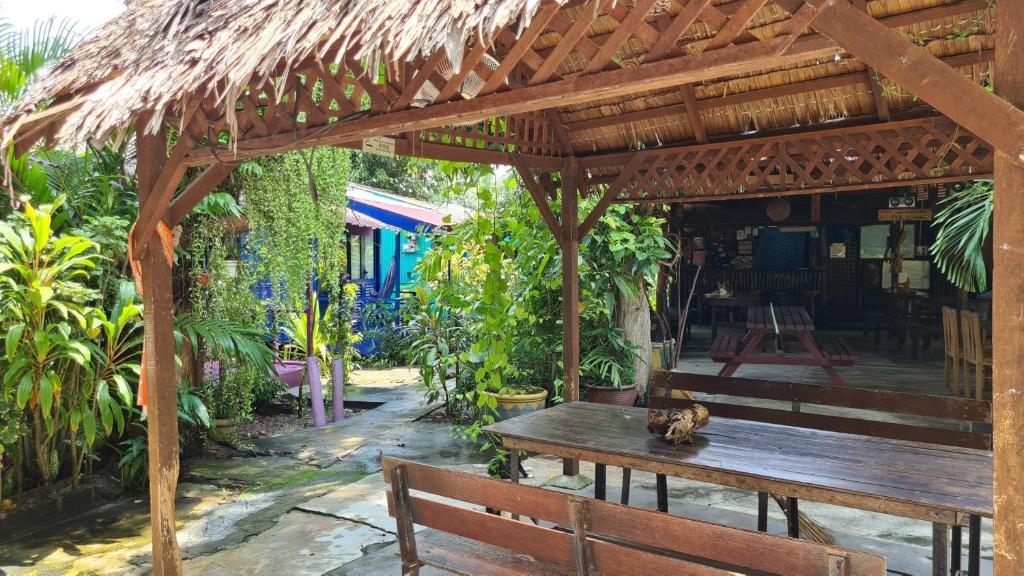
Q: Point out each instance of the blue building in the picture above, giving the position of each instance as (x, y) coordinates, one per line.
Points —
(388, 235)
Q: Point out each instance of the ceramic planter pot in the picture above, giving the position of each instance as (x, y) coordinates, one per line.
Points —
(607, 395)
(223, 430)
(512, 405)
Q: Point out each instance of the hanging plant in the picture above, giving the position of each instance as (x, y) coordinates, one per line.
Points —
(296, 208)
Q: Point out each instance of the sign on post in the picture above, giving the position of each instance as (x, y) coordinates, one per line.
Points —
(380, 145)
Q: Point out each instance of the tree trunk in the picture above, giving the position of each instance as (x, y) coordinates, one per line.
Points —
(634, 317)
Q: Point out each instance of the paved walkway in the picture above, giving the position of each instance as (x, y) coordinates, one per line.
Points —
(317, 505)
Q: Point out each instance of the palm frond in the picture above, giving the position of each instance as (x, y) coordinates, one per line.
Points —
(963, 226)
(226, 338)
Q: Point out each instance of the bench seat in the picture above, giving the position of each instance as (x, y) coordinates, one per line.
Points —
(840, 353)
(723, 349)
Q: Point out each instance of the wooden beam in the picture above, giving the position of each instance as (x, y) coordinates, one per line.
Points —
(634, 17)
(570, 294)
(539, 197)
(851, 188)
(613, 191)
(570, 284)
(520, 48)
(560, 132)
(781, 91)
(197, 189)
(683, 20)
(568, 43)
(915, 69)
(700, 133)
(651, 76)
(1007, 302)
(159, 368)
(736, 25)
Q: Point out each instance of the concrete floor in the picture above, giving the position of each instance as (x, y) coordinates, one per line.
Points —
(315, 504)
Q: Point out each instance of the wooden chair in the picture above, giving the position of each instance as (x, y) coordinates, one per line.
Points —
(974, 352)
(580, 536)
(953, 356)
(874, 306)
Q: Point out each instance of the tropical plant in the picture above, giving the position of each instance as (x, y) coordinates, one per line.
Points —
(435, 347)
(66, 363)
(295, 329)
(133, 461)
(963, 227)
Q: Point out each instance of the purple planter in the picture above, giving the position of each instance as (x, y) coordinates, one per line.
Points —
(290, 372)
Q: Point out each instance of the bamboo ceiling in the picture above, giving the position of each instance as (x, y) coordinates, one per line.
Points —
(268, 75)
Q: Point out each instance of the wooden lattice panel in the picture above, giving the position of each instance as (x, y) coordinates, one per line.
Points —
(921, 150)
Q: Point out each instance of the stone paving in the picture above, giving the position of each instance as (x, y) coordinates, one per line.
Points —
(318, 507)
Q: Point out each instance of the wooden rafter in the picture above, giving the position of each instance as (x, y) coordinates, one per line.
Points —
(569, 40)
(781, 91)
(523, 46)
(648, 76)
(918, 71)
(736, 25)
(693, 118)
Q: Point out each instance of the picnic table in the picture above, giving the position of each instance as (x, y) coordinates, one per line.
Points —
(791, 330)
(939, 484)
(727, 304)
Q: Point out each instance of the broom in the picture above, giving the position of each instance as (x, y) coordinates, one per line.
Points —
(809, 528)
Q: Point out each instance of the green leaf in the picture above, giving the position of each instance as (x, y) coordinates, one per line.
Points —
(13, 339)
(89, 423)
(46, 397)
(24, 390)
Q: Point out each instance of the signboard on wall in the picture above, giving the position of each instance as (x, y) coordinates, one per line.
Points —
(380, 145)
(904, 214)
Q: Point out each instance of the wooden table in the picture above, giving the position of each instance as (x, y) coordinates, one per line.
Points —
(938, 484)
(791, 328)
(727, 304)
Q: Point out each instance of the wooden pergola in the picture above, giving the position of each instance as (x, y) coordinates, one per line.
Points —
(629, 100)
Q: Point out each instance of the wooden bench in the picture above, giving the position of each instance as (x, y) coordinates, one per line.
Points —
(840, 352)
(724, 348)
(969, 412)
(577, 535)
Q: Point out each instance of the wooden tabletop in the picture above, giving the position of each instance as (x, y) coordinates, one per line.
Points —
(915, 480)
(789, 318)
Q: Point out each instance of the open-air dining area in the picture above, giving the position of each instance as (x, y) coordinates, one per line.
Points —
(617, 287)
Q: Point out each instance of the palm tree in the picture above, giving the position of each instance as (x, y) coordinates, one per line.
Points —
(25, 53)
(963, 227)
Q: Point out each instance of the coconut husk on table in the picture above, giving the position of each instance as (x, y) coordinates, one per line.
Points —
(678, 425)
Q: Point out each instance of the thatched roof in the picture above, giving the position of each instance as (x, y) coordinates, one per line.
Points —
(160, 51)
(160, 55)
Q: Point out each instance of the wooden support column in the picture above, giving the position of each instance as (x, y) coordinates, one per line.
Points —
(160, 369)
(570, 293)
(1008, 308)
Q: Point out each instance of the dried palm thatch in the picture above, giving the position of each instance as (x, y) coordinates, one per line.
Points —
(160, 54)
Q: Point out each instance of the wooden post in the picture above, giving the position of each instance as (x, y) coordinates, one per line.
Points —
(570, 294)
(161, 388)
(1008, 302)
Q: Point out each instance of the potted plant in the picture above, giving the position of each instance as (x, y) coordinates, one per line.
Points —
(606, 370)
(511, 401)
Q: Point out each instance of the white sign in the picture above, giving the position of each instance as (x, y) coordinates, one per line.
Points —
(380, 145)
